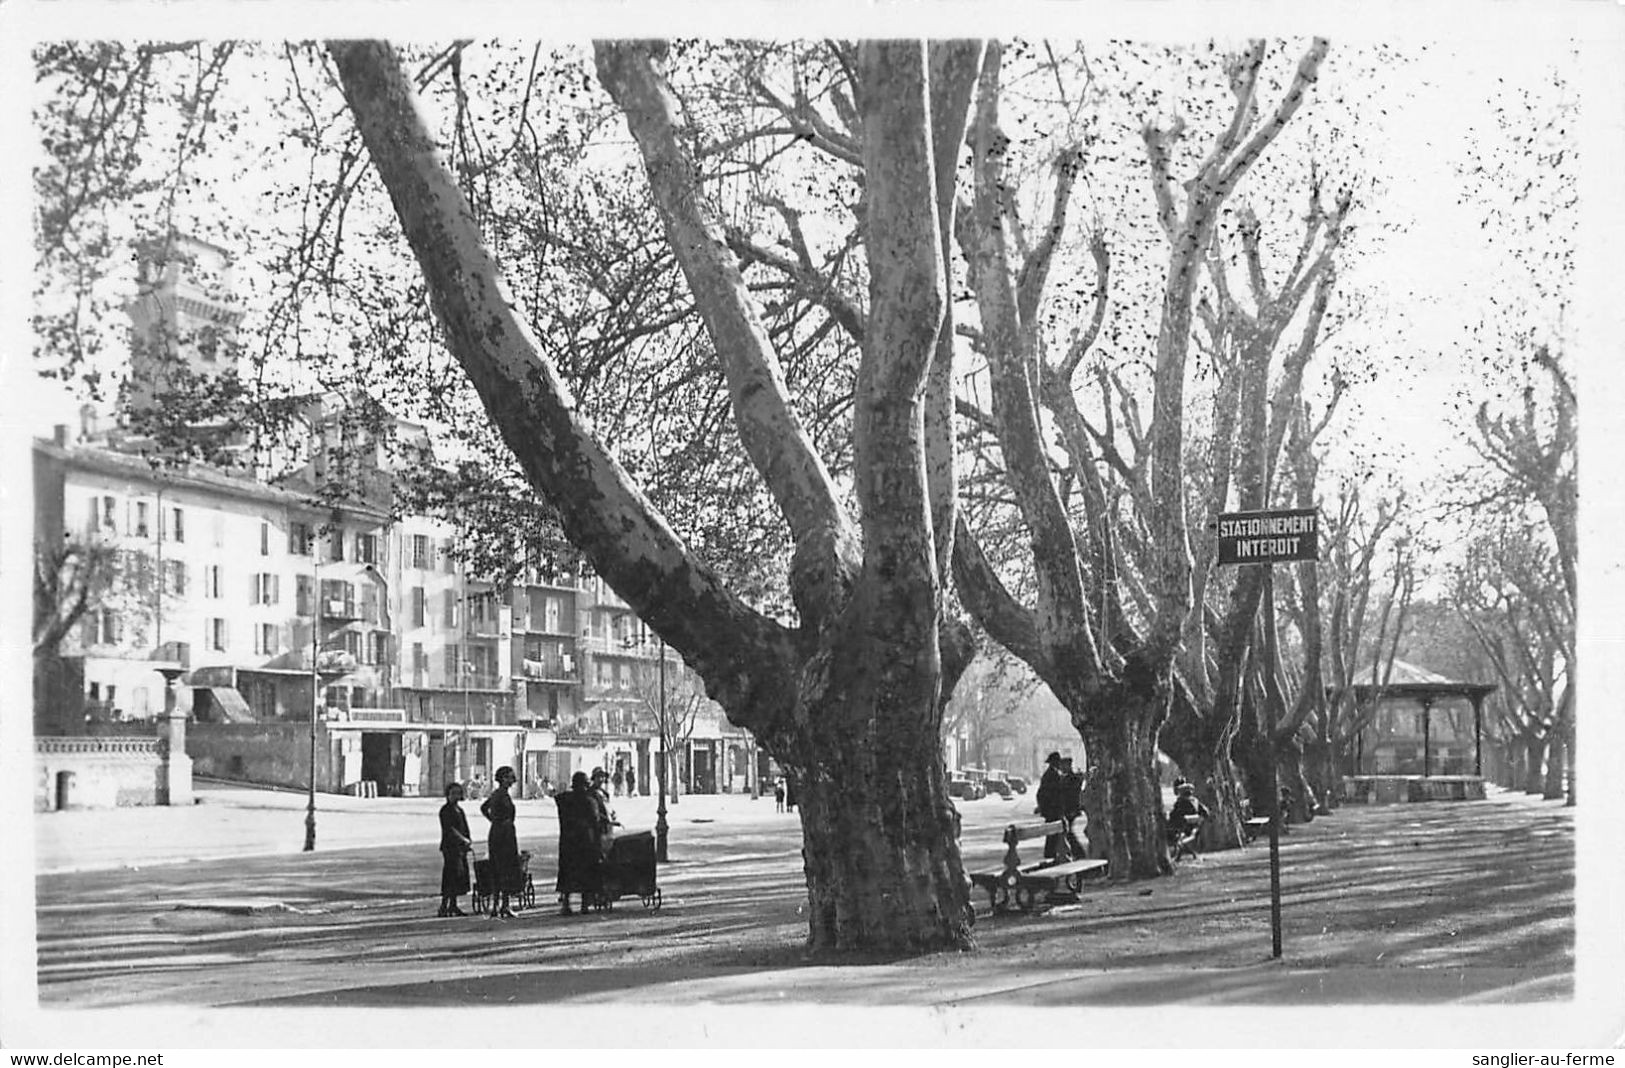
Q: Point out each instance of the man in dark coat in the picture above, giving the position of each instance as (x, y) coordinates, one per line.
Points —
(584, 837)
(455, 843)
(1072, 806)
(1052, 803)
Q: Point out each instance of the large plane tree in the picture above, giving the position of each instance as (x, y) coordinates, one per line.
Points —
(848, 695)
(1112, 596)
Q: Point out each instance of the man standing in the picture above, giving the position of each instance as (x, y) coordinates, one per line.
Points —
(1072, 806)
(1052, 803)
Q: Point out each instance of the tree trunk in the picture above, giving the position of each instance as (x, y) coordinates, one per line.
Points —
(1289, 772)
(1200, 745)
(1556, 764)
(1534, 761)
(881, 866)
(1122, 798)
(1255, 761)
(1320, 769)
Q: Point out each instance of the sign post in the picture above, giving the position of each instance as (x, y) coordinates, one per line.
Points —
(1268, 538)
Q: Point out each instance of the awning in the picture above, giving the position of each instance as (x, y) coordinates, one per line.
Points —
(220, 704)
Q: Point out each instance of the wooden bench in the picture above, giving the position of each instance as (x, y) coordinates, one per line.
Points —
(1021, 883)
(1252, 828)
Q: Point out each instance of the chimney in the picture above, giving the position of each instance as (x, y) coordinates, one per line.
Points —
(60, 434)
(87, 422)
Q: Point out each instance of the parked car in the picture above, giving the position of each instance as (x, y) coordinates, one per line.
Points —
(965, 788)
(1017, 783)
(996, 783)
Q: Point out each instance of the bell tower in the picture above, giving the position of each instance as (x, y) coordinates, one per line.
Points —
(183, 320)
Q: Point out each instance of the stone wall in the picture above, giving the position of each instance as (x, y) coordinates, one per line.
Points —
(270, 754)
(1396, 789)
(104, 772)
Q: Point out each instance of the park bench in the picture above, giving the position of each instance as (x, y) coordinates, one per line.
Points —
(1254, 826)
(1022, 882)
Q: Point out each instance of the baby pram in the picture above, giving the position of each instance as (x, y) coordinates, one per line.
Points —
(629, 869)
(485, 888)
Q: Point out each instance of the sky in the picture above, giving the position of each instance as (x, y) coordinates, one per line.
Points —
(1433, 103)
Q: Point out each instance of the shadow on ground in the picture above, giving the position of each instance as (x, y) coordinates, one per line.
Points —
(1426, 902)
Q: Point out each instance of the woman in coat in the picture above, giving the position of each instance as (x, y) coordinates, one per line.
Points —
(503, 844)
(455, 843)
(583, 841)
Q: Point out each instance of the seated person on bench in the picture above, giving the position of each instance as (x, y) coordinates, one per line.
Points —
(1185, 816)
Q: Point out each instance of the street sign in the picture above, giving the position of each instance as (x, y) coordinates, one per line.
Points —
(1275, 537)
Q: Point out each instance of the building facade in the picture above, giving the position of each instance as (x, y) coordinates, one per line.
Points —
(291, 619)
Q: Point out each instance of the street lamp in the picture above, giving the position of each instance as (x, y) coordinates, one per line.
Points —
(315, 692)
(660, 806)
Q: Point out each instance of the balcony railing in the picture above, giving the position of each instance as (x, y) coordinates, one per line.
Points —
(621, 647)
(558, 580)
(372, 715)
(550, 671)
(536, 624)
(339, 609)
(477, 681)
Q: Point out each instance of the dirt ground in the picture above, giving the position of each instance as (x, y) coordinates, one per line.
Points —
(1457, 884)
(1475, 897)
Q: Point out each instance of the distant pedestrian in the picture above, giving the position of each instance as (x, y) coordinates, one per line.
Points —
(600, 786)
(502, 845)
(631, 783)
(455, 844)
(619, 779)
(778, 796)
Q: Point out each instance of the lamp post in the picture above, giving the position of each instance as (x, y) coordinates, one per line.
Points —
(660, 806)
(315, 692)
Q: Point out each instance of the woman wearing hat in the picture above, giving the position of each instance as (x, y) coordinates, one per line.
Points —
(503, 843)
(455, 842)
(583, 841)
